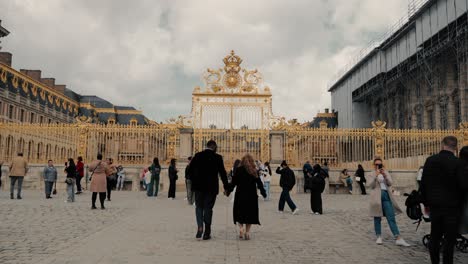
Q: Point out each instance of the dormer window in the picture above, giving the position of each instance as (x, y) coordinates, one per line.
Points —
(133, 122)
(111, 121)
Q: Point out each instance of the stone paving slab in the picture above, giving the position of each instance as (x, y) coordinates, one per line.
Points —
(137, 229)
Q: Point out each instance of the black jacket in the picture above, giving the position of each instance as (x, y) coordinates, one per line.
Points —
(287, 178)
(172, 173)
(442, 183)
(204, 170)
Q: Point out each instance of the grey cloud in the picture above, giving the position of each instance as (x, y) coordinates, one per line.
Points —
(151, 54)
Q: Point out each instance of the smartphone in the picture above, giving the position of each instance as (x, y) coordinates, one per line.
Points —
(380, 166)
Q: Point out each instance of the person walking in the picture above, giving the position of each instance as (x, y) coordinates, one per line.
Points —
(152, 187)
(307, 170)
(245, 211)
(346, 180)
(361, 179)
(442, 188)
(382, 203)
(172, 179)
(79, 175)
(111, 178)
(188, 184)
(267, 180)
(317, 186)
(99, 171)
(70, 170)
(49, 175)
(205, 168)
(287, 182)
(464, 181)
(18, 169)
(120, 178)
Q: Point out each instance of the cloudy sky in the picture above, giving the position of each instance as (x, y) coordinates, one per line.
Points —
(151, 54)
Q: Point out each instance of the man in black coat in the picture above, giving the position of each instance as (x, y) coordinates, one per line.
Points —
(204, 170)
(442, 191)
(287, 182)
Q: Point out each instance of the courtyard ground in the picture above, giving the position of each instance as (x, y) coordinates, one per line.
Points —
(137, 229)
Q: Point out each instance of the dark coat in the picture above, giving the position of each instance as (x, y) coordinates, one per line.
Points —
(287, 178)
(71, 171)
(443, 184)
(360, 173)
(173, 173)
(204, 170)
(317, 181)
(245, 209)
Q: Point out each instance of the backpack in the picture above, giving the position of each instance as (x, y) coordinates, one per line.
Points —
(413, 206)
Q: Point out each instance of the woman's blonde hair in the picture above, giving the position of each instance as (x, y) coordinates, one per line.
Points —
(249, 164)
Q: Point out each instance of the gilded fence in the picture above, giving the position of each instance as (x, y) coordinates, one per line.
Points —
(127, 144)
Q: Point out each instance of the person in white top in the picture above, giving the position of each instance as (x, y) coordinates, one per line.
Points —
(382, 203)
(266, 175)
(120, 178)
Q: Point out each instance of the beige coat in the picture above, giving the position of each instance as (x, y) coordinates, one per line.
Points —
(18, 167)
(376, 192)
(98, 180)
(343, 178)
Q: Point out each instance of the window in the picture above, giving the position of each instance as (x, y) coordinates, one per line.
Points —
(443, 116)
(431, 119)
(41, 119)
(31, 118)
(133, 122)
(11, 112)
(50, 120)
(21, 115)
(111, 121)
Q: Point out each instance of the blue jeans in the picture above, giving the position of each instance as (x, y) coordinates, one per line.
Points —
(389, 213)
(153, 184)
(71, 191)
(285, 197)
(266, 185)
(13, 180)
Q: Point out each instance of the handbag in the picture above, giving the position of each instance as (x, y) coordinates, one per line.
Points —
(90, 177)
(358, 179)
(54, 192)
(69, 181)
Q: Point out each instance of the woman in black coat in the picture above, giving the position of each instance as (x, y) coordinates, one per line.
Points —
(317, 185)
(362, 179)
(172, 179)
(246, 181)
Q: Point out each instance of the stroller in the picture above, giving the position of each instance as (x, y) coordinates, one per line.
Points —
(414, 210)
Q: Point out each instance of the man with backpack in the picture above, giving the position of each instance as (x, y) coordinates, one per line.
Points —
(287, 182)
(442, 192)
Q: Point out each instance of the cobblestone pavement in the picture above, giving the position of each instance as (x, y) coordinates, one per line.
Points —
(137, 229)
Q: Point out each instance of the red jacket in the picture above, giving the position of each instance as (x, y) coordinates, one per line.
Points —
(80, 168)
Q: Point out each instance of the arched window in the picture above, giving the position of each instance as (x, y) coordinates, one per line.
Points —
(133, 122)
(111, 121)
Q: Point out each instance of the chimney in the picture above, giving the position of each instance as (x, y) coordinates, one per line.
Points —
(327, 110)
(49, 82)
(60, 88)
(35, 74)
(5, 58)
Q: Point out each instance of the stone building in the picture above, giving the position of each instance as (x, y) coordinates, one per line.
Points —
(326, 119)
(414, 77)
(27, 97)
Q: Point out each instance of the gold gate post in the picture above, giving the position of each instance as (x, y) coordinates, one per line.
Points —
(83, 129)
(464, 133)
(378, 134)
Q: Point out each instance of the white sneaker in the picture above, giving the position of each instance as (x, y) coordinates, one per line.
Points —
(295, 211)
(280, 212)
(316, 213)
(379, 241)
(402, 242)
(312, 212)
